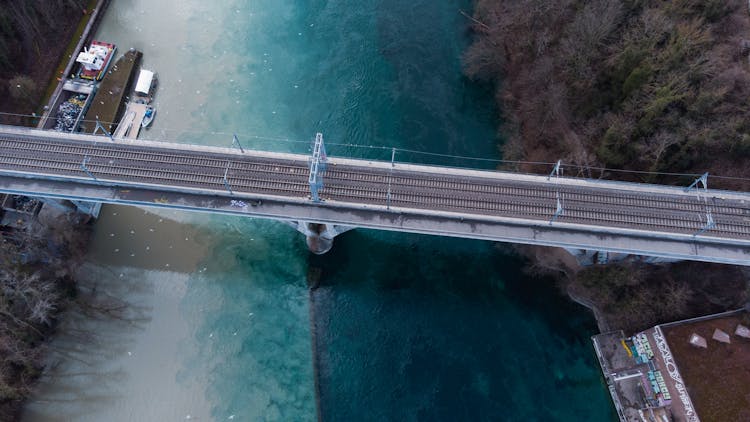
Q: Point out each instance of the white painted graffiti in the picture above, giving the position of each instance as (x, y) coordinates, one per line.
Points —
(666, 356)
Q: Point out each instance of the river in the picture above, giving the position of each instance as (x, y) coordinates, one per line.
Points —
(202, 317)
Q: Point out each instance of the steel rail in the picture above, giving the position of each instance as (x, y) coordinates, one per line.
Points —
(670, 213)
(412, 182)
(358, 175)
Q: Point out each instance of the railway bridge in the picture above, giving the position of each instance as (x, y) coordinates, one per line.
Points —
(324, 196)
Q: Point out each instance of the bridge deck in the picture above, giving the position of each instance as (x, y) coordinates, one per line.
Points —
(603, 207)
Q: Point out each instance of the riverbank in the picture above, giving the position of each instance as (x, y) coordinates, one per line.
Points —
(632, 85)
(82, 37)
(38, 269)
(37, 274)
(118, 353)
(36, 50)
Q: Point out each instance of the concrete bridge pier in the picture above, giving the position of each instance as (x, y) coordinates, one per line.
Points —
(319, 236)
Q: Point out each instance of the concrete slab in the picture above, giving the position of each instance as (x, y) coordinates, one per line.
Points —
(440, 223)
(130, 125)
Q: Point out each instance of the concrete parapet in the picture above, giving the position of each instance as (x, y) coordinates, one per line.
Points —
(581, 237)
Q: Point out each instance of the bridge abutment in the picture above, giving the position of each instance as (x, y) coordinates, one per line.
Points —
(587, 257)
(88, 208)
(319, 236)
(72, 206)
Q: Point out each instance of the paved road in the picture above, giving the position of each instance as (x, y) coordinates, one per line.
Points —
(616, 205)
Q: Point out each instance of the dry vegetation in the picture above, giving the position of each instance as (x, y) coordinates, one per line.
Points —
(636, 84)
(634, 297)
(35, 283)
(35, 268)
(658, 86)
(33, 37)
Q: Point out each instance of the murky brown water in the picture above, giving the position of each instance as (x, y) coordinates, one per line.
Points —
(149, 239)
(120, 358)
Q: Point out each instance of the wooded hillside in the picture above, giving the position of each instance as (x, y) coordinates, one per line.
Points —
(635, 84)
(33, 36)
(26, 26)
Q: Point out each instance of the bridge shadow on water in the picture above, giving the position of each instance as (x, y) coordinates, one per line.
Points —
(414, 327)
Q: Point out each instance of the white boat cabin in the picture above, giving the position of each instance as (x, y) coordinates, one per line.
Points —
(93, 58)
(145, 83)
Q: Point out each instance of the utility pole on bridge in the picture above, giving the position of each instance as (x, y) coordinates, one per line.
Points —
(390, 178)
(236, 141)
(85, 168)
(703, 180)
(100, 126)
(556, 172)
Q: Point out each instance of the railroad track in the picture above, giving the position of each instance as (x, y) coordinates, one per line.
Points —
(378, 186)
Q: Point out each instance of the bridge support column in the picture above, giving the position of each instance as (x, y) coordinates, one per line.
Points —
(319, 236)
(64, 205)
(584, 257)
(89, 208)
(61, 204)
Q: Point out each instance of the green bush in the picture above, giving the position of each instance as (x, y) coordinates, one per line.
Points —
(710, 10)
(636, 79)
(741, 145)
(615, 149)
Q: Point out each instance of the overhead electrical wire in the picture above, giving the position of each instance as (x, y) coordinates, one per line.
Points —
(411, 151)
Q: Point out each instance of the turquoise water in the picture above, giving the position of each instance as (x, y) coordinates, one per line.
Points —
(411, 327)
(252, 327)
(404, 327)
